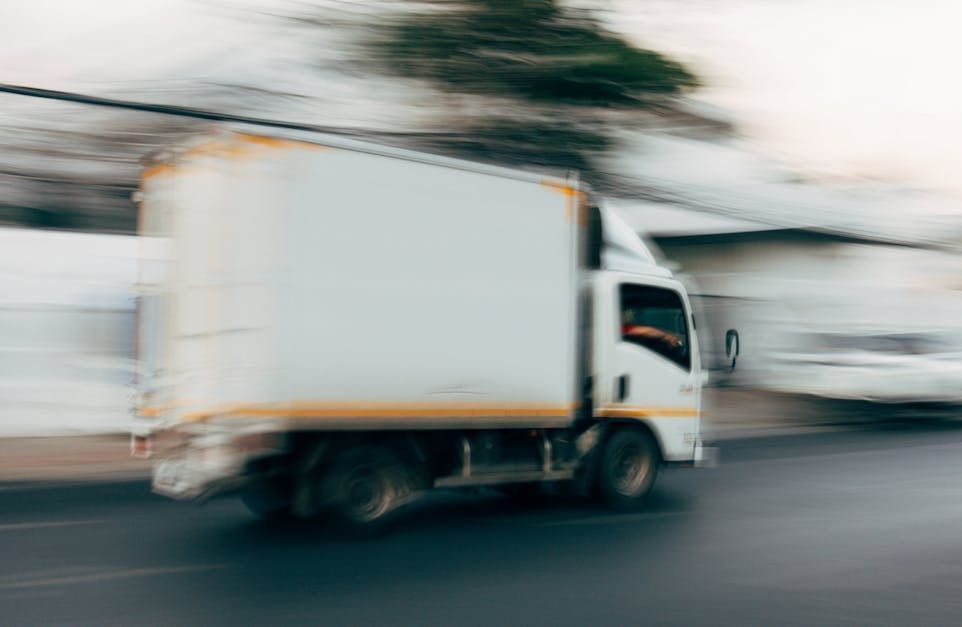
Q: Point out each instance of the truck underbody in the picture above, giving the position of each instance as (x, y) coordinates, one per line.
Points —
(362, 477)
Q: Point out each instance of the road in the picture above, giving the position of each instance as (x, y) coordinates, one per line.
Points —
(856, 527)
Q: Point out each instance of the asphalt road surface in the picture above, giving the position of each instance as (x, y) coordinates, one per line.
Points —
(860, 527)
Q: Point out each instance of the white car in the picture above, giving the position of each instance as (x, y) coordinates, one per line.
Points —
(902, 367)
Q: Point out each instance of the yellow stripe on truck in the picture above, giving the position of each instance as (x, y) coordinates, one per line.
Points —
(237, 145)
(387, 410)
(157, 170)
(570, 194)
(395, 410)
(561, 188)
(274, 142)
(647, 412)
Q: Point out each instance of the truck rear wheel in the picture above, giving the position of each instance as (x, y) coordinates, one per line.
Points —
(627, 468)
(368, 485)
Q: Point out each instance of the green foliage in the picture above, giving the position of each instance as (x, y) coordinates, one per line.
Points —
(534, 82)
(533, 50)
(547, 144)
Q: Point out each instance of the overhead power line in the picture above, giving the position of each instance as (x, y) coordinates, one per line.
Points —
(198, 114)
(653, 194)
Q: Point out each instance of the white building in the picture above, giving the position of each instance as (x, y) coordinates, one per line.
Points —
(67, 328)
(793, 282)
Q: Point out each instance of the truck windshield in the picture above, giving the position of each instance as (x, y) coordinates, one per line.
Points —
(654, 318)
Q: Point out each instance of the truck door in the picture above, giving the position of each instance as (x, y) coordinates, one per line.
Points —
(649, 364)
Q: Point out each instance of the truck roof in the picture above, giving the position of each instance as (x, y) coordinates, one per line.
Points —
(624, 249)
(224, 137)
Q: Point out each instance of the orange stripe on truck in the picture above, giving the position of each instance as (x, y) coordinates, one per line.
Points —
(570, 193)
(274, 142)
(152, 411)
(648, 412)
(386, 410)
(157, 170)
(561, 188)
(395, 410)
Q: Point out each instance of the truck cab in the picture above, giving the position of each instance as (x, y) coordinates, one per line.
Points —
(645, 346)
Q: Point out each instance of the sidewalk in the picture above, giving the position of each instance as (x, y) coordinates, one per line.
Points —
(734, 413)
(70, 458)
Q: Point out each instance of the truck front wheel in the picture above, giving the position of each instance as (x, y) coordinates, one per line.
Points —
(627, 468)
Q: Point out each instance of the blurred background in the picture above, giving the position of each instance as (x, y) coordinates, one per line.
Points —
(795, 161)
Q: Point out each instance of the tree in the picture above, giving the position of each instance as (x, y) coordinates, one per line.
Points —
(522, 81)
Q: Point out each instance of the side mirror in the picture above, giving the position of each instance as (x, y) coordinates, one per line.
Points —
(731, 346)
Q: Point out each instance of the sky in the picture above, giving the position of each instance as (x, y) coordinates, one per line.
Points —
(834, 90)
(852, 89)
(62, 44)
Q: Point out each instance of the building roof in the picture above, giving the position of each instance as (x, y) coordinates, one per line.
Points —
(723, 187)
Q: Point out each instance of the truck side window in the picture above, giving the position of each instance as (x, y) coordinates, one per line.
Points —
(654, 318)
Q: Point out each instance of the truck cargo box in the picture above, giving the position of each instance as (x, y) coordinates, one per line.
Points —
(340, 284)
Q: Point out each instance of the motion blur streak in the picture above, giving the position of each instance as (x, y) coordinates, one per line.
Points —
(654, 312)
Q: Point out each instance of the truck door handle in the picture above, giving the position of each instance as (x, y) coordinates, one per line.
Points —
(622, 388)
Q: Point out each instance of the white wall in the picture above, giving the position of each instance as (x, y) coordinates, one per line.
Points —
(67, 329)
(771, 289)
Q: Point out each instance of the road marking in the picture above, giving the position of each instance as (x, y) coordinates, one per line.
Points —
(26, 526)
(610, 519)
(127, 573)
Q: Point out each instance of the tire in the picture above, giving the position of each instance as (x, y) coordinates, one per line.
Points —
(268, 499)
(627, 468)
(366, 487)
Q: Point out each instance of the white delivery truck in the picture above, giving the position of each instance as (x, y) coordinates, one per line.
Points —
(331, 325)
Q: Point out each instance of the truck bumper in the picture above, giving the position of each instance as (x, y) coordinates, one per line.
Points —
(212, 462)
(183, 479)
